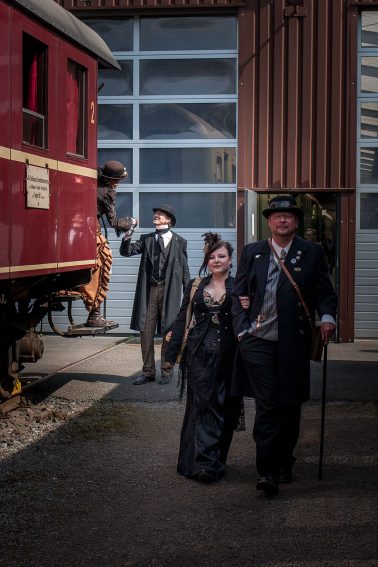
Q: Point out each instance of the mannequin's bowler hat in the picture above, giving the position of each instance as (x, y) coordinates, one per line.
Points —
(169, 212)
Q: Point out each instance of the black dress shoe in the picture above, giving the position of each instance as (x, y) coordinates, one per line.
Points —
(207, 476)
(286, 476)
(268, 484)
(143, 380)
(165, 380)
(286, 471)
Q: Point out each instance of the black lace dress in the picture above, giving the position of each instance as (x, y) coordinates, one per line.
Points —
(211, 414)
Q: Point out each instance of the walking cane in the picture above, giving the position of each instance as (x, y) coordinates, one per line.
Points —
(324, 394)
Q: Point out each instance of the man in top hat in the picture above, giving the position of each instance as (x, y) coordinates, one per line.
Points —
(95, 291)
(275, 335)
(163, 275)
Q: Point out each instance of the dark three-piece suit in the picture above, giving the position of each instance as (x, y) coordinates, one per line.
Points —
(277, 373)
(164, 290)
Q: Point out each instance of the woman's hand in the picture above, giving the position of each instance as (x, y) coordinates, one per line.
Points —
(245, 302)
(168, 336)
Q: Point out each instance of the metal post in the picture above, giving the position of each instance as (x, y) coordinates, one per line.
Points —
(324, 395)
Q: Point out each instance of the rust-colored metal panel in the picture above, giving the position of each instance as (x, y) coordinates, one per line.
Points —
(351, 97)
(338, 56)
(293, 103)
(82, 5)
(278, 115)
(261, 134)
(307, 140)
(302, 64)
(301, 132)
(363, 3)
(247, 90)
(322, 92)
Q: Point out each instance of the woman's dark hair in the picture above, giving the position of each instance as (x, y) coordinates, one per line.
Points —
(213, 241)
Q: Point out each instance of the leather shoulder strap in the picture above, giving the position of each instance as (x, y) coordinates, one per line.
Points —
(291, 280)
(189, 310)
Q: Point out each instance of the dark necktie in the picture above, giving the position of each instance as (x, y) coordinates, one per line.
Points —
(161, 242)
(282, 258)
(160, 237)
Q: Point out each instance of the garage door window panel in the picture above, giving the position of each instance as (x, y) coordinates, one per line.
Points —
(116, 32)
(189, 33)
(187, 121)
(116, 83)
(193, 210)
(188, 165)
(187, 76)
(115, 121)
(124, 155)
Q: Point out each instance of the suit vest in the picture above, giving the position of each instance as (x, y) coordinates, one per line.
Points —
(161, 255)
(265, 326)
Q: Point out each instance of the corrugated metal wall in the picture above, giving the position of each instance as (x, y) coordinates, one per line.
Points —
(297, 112)
(297, 103)
(366, 300)
(293, 88)
(124, 277)
(366, 257)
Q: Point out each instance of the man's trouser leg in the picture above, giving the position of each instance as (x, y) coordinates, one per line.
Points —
(291, 419)
(148, 333)
(260, 359)
(166, 367)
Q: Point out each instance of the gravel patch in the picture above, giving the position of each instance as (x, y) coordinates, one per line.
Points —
(31, 422)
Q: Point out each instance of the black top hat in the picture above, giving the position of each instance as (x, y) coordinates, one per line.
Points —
(169, 210)
(282, 204)
(114, 170)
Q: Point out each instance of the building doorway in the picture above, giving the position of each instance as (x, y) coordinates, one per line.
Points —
(319, 223)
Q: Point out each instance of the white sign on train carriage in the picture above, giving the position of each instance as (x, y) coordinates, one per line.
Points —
(37, 187)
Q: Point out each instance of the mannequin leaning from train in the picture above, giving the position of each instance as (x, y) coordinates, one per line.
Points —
(95, 291)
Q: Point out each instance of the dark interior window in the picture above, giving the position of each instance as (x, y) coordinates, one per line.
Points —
(34, 58)
(76, 109)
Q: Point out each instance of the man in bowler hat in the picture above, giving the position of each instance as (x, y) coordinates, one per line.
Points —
(275, 335)
(162, 277)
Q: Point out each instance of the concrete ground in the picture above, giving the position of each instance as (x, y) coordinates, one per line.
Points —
(109, 365)
(102, 490)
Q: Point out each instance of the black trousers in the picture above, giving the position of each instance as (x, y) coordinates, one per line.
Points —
(276, 427)
(154, 311)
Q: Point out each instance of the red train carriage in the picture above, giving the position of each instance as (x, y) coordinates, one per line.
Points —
(48, 167)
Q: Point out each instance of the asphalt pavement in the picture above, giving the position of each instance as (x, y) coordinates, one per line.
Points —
(102, 490)
(110, 364)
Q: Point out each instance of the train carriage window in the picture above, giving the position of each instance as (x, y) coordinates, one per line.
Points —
(76, 109)
(34, 58)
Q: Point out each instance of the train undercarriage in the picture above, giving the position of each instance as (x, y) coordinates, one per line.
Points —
(23, 304)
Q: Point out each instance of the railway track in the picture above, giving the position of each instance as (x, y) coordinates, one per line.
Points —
(31, 380)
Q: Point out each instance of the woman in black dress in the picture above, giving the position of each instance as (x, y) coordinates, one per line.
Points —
(211, 414)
